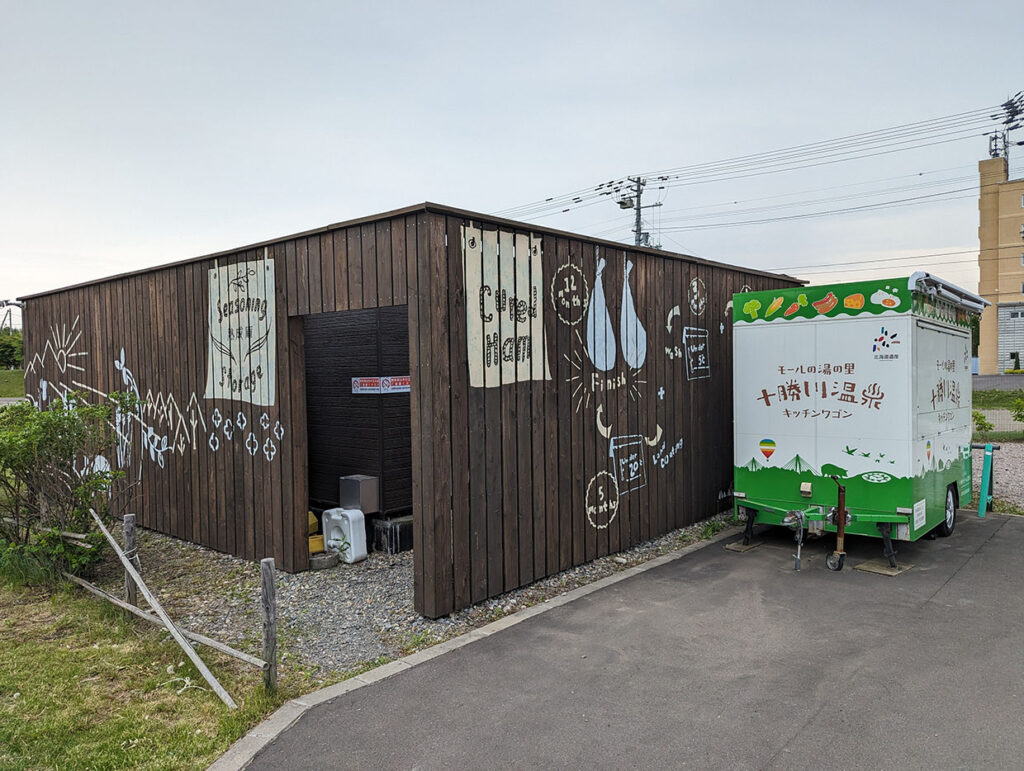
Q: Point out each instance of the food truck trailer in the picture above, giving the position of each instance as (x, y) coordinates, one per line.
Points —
(852, 408)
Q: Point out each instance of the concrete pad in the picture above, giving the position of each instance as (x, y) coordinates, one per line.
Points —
(882, 567)
(741, 547)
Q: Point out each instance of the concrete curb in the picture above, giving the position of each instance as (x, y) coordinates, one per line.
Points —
(241, 753)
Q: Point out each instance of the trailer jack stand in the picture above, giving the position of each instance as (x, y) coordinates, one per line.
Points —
(748, 531)
(885, 528)
(835, 560)
(799, 517)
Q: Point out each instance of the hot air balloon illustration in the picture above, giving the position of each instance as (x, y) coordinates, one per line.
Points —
(600, 335)
(634, 336)
(767, 447)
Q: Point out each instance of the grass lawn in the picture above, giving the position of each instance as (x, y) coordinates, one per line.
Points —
(83, 687)
(12, 382)
(983, 400)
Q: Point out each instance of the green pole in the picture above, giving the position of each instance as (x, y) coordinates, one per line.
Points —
(985, 494)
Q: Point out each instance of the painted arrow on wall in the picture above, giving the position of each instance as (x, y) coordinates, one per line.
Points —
(671, 315)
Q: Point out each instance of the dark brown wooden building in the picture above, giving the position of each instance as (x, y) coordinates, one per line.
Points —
(566, 398)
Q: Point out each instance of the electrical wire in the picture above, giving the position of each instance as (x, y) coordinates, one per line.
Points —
(831, 199)
(950, 128)
(912, 201)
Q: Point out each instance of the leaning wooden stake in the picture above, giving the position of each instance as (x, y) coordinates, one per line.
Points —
(145, 615)
(131, 552)
(268, 608)
(175, 633)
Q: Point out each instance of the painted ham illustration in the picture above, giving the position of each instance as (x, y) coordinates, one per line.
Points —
(634, 336)
(600, 335)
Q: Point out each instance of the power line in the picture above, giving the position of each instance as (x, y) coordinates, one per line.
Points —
(861, 270)
(916, 175)
(956, 119)
(880, 259)
(946, 129)
(912, 201)
(832, 199)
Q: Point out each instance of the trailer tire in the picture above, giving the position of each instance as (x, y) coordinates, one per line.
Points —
(946, 527)
(834, 561)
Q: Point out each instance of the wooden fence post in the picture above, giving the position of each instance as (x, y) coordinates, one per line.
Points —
(268, 608)
(131, 552)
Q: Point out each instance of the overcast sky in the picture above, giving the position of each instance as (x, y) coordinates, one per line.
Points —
(134, 134)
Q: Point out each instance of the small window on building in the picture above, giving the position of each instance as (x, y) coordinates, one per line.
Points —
(1014, 314)
(1022, 202)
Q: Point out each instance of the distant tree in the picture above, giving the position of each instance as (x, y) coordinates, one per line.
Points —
(11, 349)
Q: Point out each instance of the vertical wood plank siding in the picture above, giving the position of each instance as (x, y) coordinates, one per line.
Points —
(502, 476)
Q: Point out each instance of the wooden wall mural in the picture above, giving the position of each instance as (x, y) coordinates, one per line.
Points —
(569, 397)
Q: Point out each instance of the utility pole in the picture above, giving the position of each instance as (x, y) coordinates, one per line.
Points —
(633, 202)
(7, 322)
(999, 141)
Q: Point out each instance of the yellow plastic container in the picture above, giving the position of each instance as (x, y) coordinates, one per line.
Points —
(316, 544)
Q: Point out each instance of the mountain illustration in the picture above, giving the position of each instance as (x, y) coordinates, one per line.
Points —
(753, 465)
(799, 465)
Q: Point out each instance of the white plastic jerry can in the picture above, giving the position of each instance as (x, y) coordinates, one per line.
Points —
(345, 533)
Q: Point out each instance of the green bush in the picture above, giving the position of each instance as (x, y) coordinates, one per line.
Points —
(1017, 410)
(52, 471)
(981, 423)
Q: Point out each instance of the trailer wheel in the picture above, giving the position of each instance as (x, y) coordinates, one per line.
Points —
(834, 561)
(947, 525)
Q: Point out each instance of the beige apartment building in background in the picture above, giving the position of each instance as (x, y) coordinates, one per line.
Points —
(1001, 263)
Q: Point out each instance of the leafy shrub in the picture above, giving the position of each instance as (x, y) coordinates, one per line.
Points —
(52, 471)
(1017, 410)
(981, 424)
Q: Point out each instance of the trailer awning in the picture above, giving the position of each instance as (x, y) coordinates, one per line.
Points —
(935, 286)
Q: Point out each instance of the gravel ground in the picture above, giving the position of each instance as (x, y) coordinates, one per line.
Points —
(1008, 472)
(335, 620)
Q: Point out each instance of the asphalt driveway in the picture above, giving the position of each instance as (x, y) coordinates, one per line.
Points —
(717, 660)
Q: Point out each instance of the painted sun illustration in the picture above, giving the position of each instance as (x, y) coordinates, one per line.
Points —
(57, 366)
(60, 349)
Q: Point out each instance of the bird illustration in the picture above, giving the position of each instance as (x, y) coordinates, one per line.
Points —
(850, 450)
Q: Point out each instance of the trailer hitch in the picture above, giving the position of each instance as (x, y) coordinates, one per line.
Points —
(836, 559)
